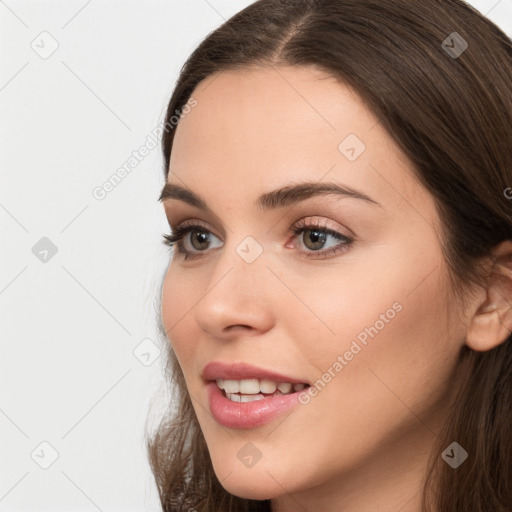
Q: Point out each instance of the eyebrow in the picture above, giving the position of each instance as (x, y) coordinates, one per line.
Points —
(279, 198)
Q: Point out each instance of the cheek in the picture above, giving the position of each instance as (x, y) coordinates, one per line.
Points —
(382, 329)
(376, 292)
(395, 368)
(177, 313)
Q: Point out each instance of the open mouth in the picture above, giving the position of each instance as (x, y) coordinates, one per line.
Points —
(251, 390)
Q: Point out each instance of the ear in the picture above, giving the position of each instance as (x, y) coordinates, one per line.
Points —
(491, 324)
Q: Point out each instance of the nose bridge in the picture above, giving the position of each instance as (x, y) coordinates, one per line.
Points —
(242, 265)
(239, 291)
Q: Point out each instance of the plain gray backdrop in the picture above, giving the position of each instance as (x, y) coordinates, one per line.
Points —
(83, 84)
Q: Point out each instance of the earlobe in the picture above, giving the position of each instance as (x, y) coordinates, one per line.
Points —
(491, 324)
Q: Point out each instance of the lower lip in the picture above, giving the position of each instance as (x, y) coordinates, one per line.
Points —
(247, 414)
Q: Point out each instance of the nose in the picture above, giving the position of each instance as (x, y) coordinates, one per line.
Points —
(237, 300)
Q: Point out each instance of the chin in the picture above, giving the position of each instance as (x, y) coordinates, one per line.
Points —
(250, 487)
(259, 482)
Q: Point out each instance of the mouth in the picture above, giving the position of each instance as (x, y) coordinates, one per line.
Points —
(252, 390)
(241, 395)
(251, 403)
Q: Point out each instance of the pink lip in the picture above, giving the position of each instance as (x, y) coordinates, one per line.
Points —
(237, 371)
(247, 414)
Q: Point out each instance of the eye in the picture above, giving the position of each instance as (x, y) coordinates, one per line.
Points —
(315, 236)
(199, 241)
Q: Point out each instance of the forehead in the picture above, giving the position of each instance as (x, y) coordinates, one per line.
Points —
(261, 128)
(275, 107)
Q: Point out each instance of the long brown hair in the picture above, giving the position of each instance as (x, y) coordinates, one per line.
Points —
(449, 108)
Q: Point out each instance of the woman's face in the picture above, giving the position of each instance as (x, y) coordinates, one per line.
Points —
(369, 324)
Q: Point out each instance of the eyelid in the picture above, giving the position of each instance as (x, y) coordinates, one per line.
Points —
(193, 223)
(324, 223)
(306, 222)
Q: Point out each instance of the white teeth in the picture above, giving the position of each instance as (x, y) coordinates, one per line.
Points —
(249, 386)
(284, 387)
(250, 398)
(244, 398)
(231, 386)
(256, 387)
(267, 386)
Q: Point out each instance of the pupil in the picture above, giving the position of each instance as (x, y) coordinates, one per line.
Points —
(317, 237)
(199, 237)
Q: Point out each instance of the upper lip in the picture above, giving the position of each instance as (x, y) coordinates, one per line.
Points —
(240, 370)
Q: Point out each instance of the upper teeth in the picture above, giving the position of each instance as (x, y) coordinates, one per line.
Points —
(255, 386)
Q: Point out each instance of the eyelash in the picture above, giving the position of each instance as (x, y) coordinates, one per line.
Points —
(176, 238)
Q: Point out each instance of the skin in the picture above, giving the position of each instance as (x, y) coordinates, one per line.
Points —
(362, 443)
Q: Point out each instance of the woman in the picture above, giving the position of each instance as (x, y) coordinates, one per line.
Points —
(337, 305)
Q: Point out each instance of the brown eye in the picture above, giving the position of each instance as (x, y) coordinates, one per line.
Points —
(320, 241)
(193, 246)
(200, 238)
(314, 239)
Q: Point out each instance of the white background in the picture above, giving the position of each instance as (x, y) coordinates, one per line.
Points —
(69, 326)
